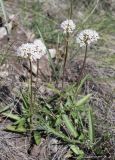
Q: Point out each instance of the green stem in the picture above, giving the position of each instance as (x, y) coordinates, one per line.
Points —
(37, 73)
(83, 66)
(66, 56)
(37, 67)
(31, 96)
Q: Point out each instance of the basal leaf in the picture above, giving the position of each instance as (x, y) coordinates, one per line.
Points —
(37, 137)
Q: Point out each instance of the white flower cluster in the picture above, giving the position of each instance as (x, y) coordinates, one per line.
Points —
(86, 37)
(34, 50)
(68, 26)
(40, 45)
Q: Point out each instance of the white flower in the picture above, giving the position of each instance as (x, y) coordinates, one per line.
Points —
(40, 46)
(68, 26)
(25, 50)
(33, 51)
(86, 37)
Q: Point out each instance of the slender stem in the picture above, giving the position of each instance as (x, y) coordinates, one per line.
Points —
(37, 73)
(31, 96)
(71, 9)
(67, 42)
(65, 58)
(83, 66)
(37, 67)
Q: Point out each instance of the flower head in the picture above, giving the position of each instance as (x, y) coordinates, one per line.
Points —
(25, 50)
(68, 26)
(33, 51)
(40, 46)
(87, 36)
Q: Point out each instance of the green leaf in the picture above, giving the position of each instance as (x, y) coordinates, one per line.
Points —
(12, 128)
(81, 137)
(77, 150)
(82, 82)
(69, 125)
(37, 137)
(11, 116)
(59, 134)
(21, 123)
(58, 121)
(83, 100)
(4, 109)
(25, 101)
(55, 90)
(91, 127)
